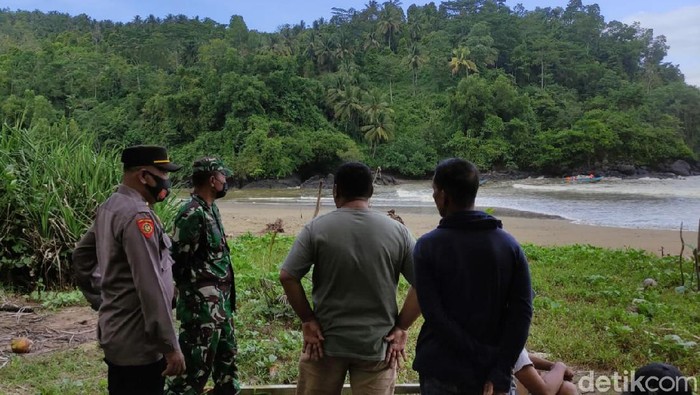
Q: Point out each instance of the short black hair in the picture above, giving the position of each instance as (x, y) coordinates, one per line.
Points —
(200, 178)
(659, 378)
(459, 179)
(354, 180)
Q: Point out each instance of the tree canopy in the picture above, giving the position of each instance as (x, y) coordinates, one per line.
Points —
(550, 89)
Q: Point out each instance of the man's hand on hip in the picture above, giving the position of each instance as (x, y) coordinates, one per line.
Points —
(313, 339)
(396, 350)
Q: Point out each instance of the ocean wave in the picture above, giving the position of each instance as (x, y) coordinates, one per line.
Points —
(419, 195)
(658, 189)
(642, 203)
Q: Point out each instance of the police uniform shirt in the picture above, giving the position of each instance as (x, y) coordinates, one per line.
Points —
(124, 258)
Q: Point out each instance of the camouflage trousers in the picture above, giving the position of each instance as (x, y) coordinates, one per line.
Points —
(207, 341)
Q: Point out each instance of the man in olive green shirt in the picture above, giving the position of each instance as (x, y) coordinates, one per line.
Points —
(358, 255)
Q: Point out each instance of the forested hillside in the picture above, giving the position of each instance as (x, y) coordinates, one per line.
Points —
(549, 90)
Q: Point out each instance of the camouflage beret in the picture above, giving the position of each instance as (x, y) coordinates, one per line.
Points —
(208, 165)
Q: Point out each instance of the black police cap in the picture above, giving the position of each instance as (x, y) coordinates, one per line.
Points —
(148, 155)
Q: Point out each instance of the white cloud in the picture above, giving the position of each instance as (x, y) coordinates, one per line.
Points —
(682, 30)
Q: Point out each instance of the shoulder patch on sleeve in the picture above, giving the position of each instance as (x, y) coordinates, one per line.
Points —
(145, 227)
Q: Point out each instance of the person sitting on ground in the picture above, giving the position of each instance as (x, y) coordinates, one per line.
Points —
(556, 380)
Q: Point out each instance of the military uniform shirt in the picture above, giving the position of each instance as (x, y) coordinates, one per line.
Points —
(204, 279)
(123, 266)
(200, 250)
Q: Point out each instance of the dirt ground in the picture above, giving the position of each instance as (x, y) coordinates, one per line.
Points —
(48, 330)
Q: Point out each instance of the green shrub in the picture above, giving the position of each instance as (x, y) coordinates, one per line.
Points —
(56, 299)
(52, 179)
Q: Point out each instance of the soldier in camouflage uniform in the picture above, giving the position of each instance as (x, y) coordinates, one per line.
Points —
(204, 279)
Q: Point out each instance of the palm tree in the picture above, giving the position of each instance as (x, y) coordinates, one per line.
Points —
(460, 60)
(371, 41)
(375, 105)
(288, 38)
(415, 60)
(379, 125)
(382, 129)
(310, 45)
(389, 23)
(415, 31)
(279, 46)
(347, 75)
(371, 10)
(347, 106)
(343, 48)
(324, 48)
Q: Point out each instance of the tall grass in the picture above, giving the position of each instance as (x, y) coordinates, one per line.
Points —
(52, 179)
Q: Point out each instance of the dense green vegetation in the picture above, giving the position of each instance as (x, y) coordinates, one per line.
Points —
(52, 178)
(591, 311)
(550, 89)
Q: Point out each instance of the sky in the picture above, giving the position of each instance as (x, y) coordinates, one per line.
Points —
(678, 20)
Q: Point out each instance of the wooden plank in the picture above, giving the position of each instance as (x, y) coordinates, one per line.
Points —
(290, 389)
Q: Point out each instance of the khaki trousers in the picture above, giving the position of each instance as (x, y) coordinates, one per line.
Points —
(327, 376)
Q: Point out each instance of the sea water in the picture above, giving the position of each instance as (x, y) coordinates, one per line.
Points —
(647, 203)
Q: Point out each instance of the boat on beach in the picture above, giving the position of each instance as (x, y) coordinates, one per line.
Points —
(582, 178)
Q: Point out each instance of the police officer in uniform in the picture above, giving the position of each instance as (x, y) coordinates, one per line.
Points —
(123, 267)
(206, 292)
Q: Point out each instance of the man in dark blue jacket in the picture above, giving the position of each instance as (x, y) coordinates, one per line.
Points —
(473, 286)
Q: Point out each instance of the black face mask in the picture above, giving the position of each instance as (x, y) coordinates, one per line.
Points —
(222, 192)
(161, 190)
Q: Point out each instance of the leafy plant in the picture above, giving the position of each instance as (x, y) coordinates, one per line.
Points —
(55, 178)
(57, 299)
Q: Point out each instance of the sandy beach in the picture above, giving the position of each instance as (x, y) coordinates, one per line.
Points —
(240, 218)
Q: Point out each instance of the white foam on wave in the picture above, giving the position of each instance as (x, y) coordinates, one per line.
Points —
(649, 187)
(641, 203)
(419, 195)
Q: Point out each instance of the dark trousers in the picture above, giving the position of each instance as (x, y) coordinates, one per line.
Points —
(136, 380)
(433, 386)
